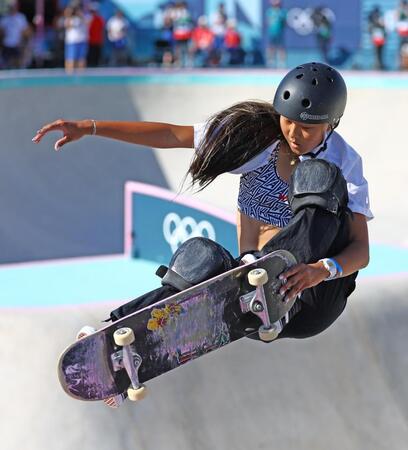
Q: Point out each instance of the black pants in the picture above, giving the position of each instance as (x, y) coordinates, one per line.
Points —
(312, 234)
(94, 55)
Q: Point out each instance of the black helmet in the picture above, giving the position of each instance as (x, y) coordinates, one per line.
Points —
(312, 93)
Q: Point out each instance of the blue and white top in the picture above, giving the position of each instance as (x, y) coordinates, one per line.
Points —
(263, 194)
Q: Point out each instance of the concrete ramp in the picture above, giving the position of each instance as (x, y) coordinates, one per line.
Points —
(345, 389)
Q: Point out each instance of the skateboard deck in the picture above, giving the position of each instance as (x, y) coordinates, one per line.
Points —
(177, 329)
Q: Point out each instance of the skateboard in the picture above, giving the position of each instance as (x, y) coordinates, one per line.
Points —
(122, 356)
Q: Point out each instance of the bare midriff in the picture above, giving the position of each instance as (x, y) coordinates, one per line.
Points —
(253, 234)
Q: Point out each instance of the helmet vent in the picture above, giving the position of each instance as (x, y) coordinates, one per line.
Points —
(315, 82)
(330, 79)
(306, 103)
(314, 69)
(299, 76)
(299, 67)
(286, 95)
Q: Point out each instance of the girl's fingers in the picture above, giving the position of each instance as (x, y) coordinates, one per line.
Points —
(286, 290)
(54, 126)
(290, 272)
(289, 283)
(291, 289)
(290, 296)
(61, 142)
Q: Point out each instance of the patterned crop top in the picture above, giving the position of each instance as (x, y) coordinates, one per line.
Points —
(263, 194)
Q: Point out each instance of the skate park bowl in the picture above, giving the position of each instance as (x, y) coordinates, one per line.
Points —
(64, 263)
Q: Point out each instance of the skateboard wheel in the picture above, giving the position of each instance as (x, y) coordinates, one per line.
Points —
(137, 394)
(123, 336)
(268, 334)
(257, 277)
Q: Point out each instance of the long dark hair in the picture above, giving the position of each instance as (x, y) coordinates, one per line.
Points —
(233, 137)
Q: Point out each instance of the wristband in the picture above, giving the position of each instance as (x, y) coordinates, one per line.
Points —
(331, 266)
(338, 267)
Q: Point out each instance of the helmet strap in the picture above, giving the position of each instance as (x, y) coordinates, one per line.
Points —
(323, 148)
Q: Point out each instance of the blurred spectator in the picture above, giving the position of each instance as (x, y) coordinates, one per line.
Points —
(164, 43)
(276, 22)
(404, 57)
(15, 33)
(58, 46)
(182, 30)
(219, 27)
(202, 43)
(233, 53)
(376, 28)
(324, 30)
(402, 30)
(118, 28)
(32, 49)
(76, 38)
(96, 35)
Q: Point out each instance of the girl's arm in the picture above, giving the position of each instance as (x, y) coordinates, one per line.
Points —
(151, 134)
(353, 257)
(356, 255)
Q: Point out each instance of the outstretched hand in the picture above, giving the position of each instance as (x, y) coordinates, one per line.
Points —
(72, 131)
(300, 277)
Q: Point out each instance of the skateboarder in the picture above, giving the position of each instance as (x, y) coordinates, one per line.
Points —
(292, 192)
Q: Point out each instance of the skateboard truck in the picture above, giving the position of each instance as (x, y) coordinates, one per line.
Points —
(255, 302)
(129, 360)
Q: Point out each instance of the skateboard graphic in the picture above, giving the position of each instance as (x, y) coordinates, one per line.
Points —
(125, 354)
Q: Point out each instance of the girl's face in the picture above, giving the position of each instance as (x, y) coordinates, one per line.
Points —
(302, 137)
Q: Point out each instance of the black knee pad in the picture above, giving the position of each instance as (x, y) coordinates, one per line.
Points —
(317, 183)
(196, 260)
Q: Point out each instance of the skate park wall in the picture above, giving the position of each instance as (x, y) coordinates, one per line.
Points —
(71, 203)
(344, 389)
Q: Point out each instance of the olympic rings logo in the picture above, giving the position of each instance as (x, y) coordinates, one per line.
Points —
(177, 230)
(301, 20)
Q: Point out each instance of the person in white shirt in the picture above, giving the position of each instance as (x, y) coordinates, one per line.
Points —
(219, 26)
(14, 28)
(117, 28)
(302, 188)
(76, 39)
